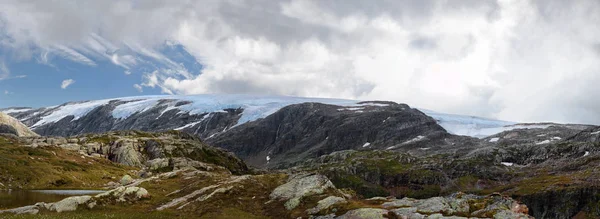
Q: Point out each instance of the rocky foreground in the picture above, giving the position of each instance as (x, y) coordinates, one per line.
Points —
(176, 175)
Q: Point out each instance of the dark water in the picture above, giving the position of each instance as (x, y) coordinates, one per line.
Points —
(19, 198)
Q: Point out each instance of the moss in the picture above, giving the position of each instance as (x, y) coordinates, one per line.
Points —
(360, 186)
(102, 139)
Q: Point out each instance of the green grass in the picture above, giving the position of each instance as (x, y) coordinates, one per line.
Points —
(52, 167)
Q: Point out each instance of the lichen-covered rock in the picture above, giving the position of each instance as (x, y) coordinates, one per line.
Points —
(441, 216)
(365, 213)
(300, 187)
(158, 163)
(127, 179)
(30, 209)
(433, 205)
(70, 203)
(124, 194)
(325, 204)
(408, 213)
(509, 214)
(405, 202)
(70, 147)
(125, 153)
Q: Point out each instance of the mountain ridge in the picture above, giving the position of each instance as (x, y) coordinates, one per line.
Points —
(255, 106)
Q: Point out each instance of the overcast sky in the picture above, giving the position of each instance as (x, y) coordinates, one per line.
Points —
(514, 60)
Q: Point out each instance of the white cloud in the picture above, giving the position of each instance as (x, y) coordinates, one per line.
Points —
(66, 83)
(6, 92)
(522, 60)
(138, 87)
(127, 72)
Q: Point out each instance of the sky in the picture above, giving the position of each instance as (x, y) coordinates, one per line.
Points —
(516, 60)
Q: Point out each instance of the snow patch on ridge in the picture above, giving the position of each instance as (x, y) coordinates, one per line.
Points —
(77, 110)
(124, 111)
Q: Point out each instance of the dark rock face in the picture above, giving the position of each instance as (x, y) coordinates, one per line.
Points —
(309, 130)
(6, 129)
(571, 202)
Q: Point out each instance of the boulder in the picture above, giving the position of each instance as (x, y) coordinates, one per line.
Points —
(325, 204)
(408, 213)
(127, 179)
(405, 202)
(71, 203)
(365, 213)
(124, 194)
(293, 191)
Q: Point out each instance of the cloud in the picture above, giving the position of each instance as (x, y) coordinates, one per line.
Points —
(138, 87)
(66, 83)
(521, 60)
(4, 71)
(6, 92)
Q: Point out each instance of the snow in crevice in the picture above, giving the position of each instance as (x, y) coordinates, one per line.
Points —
(508, 164)
(494, 139)
(189, 125)
(374, 104)
(595, 133)
(351, 109)
(366, 145)
(587, 153)
(543, 142)
(416, 139)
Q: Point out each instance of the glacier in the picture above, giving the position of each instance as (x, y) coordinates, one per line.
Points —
(256, 107)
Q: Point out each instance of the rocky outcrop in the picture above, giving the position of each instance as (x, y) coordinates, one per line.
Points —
(152, 151)
(10, 125)
(453, 206)
(299, 187)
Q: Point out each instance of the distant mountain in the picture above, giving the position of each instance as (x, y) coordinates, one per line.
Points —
(192, 111)
(272, 131)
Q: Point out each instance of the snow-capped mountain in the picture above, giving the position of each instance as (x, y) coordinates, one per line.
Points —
(275, 131)
(253, 108)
